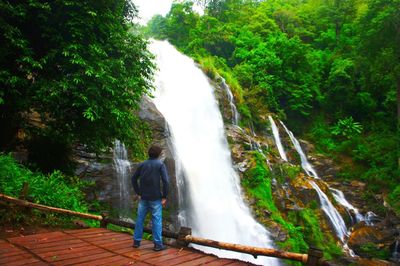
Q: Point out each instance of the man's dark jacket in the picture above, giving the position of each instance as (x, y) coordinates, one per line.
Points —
(150, 174)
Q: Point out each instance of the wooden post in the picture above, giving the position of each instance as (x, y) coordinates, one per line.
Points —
(23, 195)
(314, 256)
(24, 191)
(183, 233)
(104, 222)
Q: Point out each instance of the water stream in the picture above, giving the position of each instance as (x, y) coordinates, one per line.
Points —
(304, 162)
(214, 207)
(123, 169)
(333, 215)
(353, 211)
(235, 114)
(277, 138)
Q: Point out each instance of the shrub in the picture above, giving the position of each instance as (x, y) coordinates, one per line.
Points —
(50, 189)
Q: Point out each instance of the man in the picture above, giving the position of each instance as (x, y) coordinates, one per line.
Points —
(152, 197)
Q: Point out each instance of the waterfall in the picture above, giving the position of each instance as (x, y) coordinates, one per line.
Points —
(340, 198)
(371, 218)
(331, 212)
(396, 249)
(215, 207)
(277, 138)
(304, 162)
(235, 114)
(123, 170)
(326, 205)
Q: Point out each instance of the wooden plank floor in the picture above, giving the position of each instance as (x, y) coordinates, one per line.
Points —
(96, 246)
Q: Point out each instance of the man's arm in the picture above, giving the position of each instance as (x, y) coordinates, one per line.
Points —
(165, 181)
(134, 180)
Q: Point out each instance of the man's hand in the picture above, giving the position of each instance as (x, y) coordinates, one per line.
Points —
(164, 202)
(136, 197)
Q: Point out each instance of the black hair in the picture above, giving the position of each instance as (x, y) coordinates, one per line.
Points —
(154, 151)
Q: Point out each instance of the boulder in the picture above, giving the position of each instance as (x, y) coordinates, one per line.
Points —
(371, 241)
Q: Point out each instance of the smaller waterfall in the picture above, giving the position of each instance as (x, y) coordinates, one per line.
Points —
(396, 251)
(123, 169)
(372, 219)
(326, 205)
(331, 212)
(277, 138)
(235, 114)
(340, 198)
(304, 162)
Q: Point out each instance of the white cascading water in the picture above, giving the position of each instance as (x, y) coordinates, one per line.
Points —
(216, 209)
(396, 253)
(371, 218)
(235, 114)
(333, 215)
(277, 138)
(341, 199)
(304, 162)
(123, 170)
(326, 205)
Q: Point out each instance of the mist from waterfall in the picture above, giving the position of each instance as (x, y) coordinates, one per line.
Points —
(123, 168)
(214, 205)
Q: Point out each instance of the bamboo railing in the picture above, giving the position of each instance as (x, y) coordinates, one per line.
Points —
(184, 237)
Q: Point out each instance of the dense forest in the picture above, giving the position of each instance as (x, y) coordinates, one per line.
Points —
(330, 69)
(70, 72)
(73, 74)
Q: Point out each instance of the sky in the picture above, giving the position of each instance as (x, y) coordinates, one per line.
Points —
(149, 8)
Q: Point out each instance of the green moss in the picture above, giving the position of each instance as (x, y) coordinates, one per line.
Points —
(313, 235)
(393, 199)
(303, 227)
(257, 184)
(374, 251)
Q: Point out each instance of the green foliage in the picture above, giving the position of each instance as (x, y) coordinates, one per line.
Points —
(374, 251)
(393, 199)
(347, 128)
(313, 234)
(74, 66)
(291, 171)
(52, 190)
(257, 174)
(257, 184)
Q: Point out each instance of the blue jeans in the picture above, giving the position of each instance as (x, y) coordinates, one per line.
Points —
(155, 207)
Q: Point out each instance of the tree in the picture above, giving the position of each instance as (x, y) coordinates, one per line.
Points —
(379, 44)
(75, 66)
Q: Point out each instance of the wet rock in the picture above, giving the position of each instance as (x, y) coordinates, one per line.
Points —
(358, 184)
(371, 241)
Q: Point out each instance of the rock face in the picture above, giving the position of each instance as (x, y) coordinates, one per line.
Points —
(100, 168)
(161, 136)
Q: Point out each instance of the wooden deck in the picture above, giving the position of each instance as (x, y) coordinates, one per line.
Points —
(96, 246)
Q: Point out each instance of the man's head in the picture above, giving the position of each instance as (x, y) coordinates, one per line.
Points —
(154, 152)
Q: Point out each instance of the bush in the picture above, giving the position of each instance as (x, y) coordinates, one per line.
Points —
(393, 198)
(51, 190)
